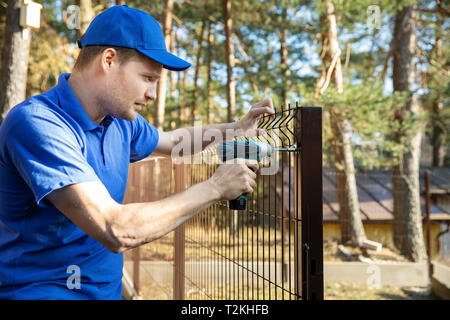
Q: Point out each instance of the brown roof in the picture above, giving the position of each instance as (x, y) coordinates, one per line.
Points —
(439, 180)
(375, 194)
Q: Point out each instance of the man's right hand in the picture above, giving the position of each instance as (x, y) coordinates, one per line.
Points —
(235, 177)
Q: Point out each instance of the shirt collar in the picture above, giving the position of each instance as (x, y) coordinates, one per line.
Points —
(73, 107)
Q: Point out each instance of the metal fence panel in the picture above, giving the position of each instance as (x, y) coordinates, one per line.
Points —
(273, 249)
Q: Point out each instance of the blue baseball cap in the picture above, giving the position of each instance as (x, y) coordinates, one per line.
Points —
(121, 26)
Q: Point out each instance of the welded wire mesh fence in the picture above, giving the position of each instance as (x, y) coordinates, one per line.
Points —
(273, 248)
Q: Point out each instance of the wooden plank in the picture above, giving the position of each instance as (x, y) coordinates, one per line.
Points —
(179, 252)
(136, 267)
(128, 291)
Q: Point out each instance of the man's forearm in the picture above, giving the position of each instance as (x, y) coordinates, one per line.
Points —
(186, 141)
(140, 223)
(195, 139)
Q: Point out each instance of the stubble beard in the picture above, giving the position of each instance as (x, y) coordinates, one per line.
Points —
(116, 105)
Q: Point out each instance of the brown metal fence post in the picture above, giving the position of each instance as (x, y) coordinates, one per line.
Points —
(179, 254)
(427, 223)
(308, 134)
(297, 227)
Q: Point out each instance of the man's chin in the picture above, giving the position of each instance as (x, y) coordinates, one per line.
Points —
(133, 116)
(129, 116)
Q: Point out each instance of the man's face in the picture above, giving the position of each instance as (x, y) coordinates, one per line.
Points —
(130, 86)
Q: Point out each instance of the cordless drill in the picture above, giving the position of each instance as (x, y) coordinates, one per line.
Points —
(243, 149)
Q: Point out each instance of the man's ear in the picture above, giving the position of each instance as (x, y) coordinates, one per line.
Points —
(108, 59)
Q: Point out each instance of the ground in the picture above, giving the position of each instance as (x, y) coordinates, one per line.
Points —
(352, 291)
(332, 291)
(163, 250)
(331, 252)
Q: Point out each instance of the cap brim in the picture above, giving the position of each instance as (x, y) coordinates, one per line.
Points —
(167, 59)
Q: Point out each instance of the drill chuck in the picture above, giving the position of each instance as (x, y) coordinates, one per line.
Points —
(233, 149)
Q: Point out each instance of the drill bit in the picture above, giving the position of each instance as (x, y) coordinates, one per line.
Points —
(285, 149)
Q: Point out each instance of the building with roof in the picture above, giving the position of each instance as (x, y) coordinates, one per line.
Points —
(376, 206)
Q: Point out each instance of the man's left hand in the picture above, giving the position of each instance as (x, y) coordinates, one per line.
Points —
(248, 124)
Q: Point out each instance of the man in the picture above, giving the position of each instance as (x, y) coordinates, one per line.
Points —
(64, 158)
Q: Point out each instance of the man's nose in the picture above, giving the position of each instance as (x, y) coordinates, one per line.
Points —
(151, 93)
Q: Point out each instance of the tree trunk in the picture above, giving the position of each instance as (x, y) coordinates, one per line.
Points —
(162, 83)
(173, 82)
(86, 15)
(283, 57)
(282, 35)
(231, 89)
(351, 224)
(209, 74)
(229, 50)
(197, 72)
(408, 235)
(182, 80)
(15, 53)
(349, 214)
(439, 134)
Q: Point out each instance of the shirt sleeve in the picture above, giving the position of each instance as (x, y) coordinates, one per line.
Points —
(144, 139)
(47, 153)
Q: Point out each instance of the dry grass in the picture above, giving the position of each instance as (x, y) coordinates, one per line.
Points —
(353, 291)
(221, 241)
(332, 291)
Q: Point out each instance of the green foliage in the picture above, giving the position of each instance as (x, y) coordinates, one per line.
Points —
(438, 83)
(371, 114)
(50, 55)
(367, 101)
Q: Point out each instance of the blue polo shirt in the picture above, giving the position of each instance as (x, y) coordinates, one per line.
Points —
(48, 142)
